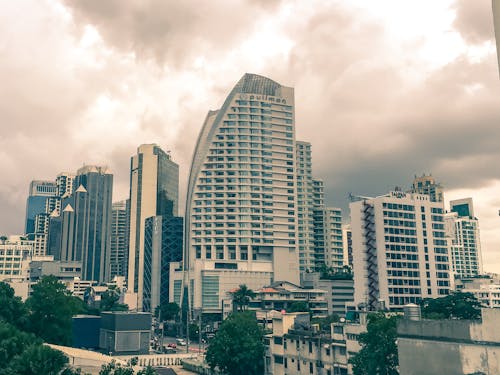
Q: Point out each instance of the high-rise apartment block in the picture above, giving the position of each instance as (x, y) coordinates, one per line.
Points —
(154, 191)
(400, 250)
(241, 209)
(305, 224)
(327, 228)
(427, 185)
(462, 228)
(120, 221)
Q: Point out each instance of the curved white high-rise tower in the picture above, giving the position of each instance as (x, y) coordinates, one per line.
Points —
(241, 207)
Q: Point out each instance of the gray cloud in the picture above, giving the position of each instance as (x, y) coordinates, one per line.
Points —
(474, 20)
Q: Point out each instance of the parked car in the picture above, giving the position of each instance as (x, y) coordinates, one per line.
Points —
(181, 342)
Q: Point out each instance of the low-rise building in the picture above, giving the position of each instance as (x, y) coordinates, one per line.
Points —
(450, 347)
(15, 254)
(340, 290)
(282, 295)
(298, 347)
(125, 333)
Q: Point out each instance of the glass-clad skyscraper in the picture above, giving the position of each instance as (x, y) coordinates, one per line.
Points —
(241, 208)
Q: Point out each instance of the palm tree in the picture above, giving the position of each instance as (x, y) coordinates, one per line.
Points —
(242, 297)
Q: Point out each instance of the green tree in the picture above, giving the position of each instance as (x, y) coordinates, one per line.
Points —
(167, 311)
(298, 306)
(114, 368)
(453, 306)
(237, 348)
(37, 359)
(242, 297)
(110, 300)
(51, 308)
(379, 352)
(12, 308)
(325, 323)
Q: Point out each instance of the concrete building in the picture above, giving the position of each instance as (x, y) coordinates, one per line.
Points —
(64, 271)
(450, 347)
(297, 347)
(120, 221)
(462, 228)
(340, 291)
(154, 191)
(241, 209)
(400, 252)
(124, 333)
(427, 185)
(162, 246)
(347, 244)
(281, 295)
(15, 255)
(85, 226)
(327, 228)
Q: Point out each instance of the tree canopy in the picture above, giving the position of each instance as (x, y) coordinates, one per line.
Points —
(12, 308)
(51, 308)
(379, 352)
(242, 297)
(298, 306)
(453, 306)
(110, 300)
(167, 311)
(238, 347)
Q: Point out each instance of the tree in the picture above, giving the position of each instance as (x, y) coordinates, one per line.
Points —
(237, 348)
(114, 368)
(12, 308)
(379, 352)
(242, 297)
(51, 307)
(298, 306)
(110, 300)
(325, 323)
(457, 305)
(37, 359)
(167, 311)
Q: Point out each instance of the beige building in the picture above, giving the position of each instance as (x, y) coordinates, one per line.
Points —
(450, 347)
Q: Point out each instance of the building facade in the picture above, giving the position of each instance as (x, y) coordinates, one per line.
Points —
(400, 251)
(120, 222)
(15, 255)
(154, 191)
(241, 209)
(427, 185)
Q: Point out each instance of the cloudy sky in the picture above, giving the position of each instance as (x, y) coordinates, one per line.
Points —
(384, 89)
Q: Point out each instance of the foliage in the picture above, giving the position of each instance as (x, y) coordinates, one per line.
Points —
(12, 308)
(114, 368)
(242, 297)
(453, 306)
(110, 300)
(22, 353)
(237, 348)
(167, 311)
(298, 306)
(37, 359)
(331, 273)
(51, 308)
(194, 332)
(325, 323)
(379, 352)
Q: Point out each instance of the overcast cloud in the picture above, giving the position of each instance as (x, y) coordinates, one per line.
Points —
(383, 91)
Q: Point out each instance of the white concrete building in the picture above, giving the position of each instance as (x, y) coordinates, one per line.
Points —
(400, 252)
(15, 255)
(241, 208)
(462, 228)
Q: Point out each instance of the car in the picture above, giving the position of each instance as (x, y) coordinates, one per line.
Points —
(171, 345)
(181, 342)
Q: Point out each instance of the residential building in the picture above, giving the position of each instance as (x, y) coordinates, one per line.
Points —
(450, 347)
(427, 185)
(241, 209)
(298, 347)
(162, 246)
(282, 295)
(120, 220)
(15, 255)
(462, 229)
(400, 251)
(347, 244)
(339, 288)
(45, 266)
(305, 224)
(327, 228)
(154, 191)
(86, 223)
